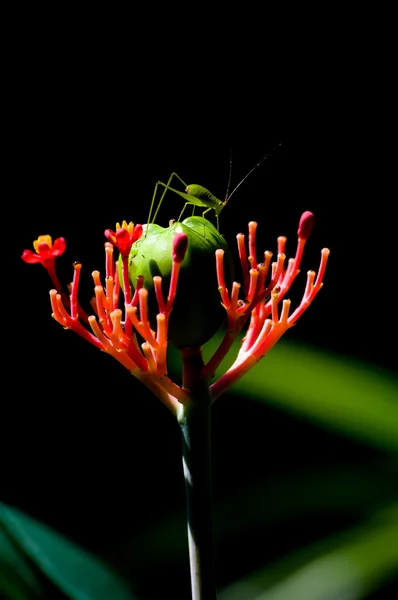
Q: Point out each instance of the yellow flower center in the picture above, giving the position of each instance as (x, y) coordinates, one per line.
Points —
(129, 228)
(42, 239)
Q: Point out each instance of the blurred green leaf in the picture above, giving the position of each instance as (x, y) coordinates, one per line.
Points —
(78, 574)
(339, 491)
(352, 397)
(18, 581)
(347, 567)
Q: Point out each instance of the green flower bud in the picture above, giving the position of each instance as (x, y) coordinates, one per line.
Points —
(197, 311)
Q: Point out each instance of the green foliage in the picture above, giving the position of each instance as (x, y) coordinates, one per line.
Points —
(344, 567)
(30, 550)
(334, 391)
(18, 579)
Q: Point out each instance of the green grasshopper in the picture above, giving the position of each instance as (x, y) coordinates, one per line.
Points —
(197, 195)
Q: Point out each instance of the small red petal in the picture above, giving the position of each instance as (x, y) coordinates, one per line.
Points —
(137, 233)
(111, 236)
(306, 225)
(31, 257)
(123, 243)
(59, 246)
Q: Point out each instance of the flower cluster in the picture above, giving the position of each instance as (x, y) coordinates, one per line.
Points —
(121, 324)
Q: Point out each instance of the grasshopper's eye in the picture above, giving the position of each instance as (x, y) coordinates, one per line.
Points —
(187, 190)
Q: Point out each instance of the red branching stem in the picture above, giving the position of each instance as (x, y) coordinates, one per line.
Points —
(139, 284)
(222, 288)
(310, 284)
(116, 290)
(132, 364)
(262, 272)
(96, 278)
(155, 386)
(145, 328)
(98, 332)
(234, 326)
(143, 306)
(175, 390)
(109, 262)
(229, 337)
(109, 292)
(267, 261)
(72, 302)
(282, 244)
(61, 316)
(322, 268)
(285, 313)
(253, 330)
(287, 274)
(262, 332)
(294, 271)
(103, 315)
(243, 260)
(74, 313)
(126, 282)
(312, 288)
(244, 364)
(157, 282)
(274, 307)
(141, 326)
(257, 344)
(149, 357)
(284, 285)
(175, 271)
(252, 288)
(277, 273)
(233, 309)
(269, 338)
(118, 336)
(135, 354)
(252, 244)
(161, 338)
(51, 270)
(253, 349)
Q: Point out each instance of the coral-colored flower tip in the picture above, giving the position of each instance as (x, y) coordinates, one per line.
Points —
(180, 245)
(306, 225)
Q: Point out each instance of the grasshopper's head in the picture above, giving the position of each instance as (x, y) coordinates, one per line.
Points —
(219, 207)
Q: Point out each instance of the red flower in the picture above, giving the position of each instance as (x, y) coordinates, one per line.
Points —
(46, 251)
(124, 237)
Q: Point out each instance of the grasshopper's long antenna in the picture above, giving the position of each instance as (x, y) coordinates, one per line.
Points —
(230, 175)
(251, 171)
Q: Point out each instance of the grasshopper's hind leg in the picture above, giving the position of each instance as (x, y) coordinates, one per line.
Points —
(182, 212)
(166, 186)
(206, 211)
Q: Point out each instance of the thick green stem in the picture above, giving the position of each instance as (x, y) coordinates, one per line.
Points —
(194, 420)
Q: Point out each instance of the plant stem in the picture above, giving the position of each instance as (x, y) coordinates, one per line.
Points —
(195, 422)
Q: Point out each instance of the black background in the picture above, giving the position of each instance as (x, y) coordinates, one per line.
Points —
(85, 448)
